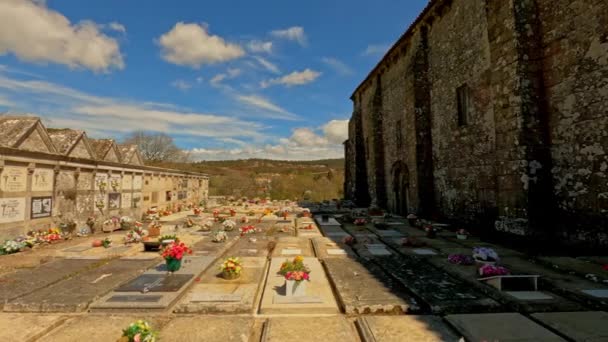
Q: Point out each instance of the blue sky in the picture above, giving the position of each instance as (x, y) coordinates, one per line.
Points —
(226, 79)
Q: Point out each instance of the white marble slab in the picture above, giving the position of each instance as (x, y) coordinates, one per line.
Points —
(291, 251)
(337, 251)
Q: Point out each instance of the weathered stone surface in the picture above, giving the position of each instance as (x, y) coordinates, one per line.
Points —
(310, 329)
(404, 328)
(25, 281)
(188, 329)
(500, 327)
(440, 291)
(362, 288)
(318, 286)
(26, 328)
(76, 293)
(289, 247)
(328, 248)
(579, 326)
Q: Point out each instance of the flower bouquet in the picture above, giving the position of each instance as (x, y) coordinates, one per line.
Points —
(232, 212)
(349, 240)
(462, 234)
(485, 255)
(207, 225)
(11, 246)
(247, 230)
(488, 270)
(197, 211)
(133, 236)
(216, 213)
(244, 219)
(231, 268)
(139, 331)
(360, 222)
(228, 225)
(154, 229)
(461, 259)
(173, 255)
(219, 236)
(297, 264)
(126, 222)
(295, 272)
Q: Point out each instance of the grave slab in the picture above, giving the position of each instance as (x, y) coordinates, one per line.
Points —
(500, 327)
(330, 221)
(362, 288)
(405, 328)
(579, 326)
(577, 266)
(76, 293)
(228, 329)
(253, 245)
(25, 281)
(77, 249)
(98, 328)
(328, 248)
(214, 295)
(438, 289)
(335, 329)
(289, 247)
(27, 327)
(318, 286)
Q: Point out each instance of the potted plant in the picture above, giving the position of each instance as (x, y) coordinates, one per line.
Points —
(126, 223)
(166, 240)
(247, 230)
(295, 273)
(219, 236)
(139, 331)
(154, 229)
(461, 259)
(488, 270)
(462, 234)
(232, 212)
(173, 255)
(485, 255)
(106, 243)
(207, 225)
(231, 268)
(228, 225)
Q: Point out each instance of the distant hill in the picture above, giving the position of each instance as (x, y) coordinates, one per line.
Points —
(315, 180)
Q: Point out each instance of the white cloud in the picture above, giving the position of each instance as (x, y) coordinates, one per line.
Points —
(265, 104)
(336, 131)
(295, 33)
(306, 137)
(258, 46)
(191, 45)
(35, 33)
(376, 50)
(231, 73)
(339, 66)
(296, 78)
(5, 102)
(268, 65)
(118, 27)
(181, 85)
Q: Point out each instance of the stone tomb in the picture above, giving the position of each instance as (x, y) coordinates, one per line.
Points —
(208, 328)
(500, 327)
(326, 220)
(308, 229)
(76, 293)
(405, 328)
(216, 295)
(579, 326)
(362, 288)
(328, 248)
(155, 289)
(319, 297)
(253, 245)
(309, 329)
(290, 247)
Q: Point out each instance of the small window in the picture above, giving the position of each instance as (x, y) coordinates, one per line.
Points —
(463, 101)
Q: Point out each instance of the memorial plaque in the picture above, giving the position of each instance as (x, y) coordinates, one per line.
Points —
(114, 201)
(99, 200)
(127, 182)
(379, 251)
(42, 180)
(101, 181)
(156, 283)
(215, 297)
(12, 210)
(279, 299)
(137, 181)
(424, 251)
(338, 251)
(115, 182)
(41, 207)
(85, 181)
(13, 179)
(134, 299)
(291, 252)
(127, 200)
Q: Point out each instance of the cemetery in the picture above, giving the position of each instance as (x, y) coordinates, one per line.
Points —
(222, 274)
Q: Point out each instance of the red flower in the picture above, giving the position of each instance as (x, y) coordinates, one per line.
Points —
(605, 267)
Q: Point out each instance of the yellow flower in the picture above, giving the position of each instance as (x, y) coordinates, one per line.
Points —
(299, 258)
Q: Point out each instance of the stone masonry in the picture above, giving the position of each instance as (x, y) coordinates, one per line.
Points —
(492, 114)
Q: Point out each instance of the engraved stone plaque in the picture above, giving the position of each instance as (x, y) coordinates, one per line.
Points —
(42, 180)
(13, 179)
(156, 283)
(291, 251)
(12, 210)
(215, 297)
(338, 251)
(134, 299)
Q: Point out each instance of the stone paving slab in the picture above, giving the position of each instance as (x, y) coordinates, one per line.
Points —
(76, 293)
(362, 288)
(501, 327)
(470, 275)
(405, 329)
(27, 327)
(579, 326)
(93, 327)
(328, 248)
(290, 247)
(569, 286)
(208, 328)
(318, 287)
(441, 292)
(214, 295)
(136, 301)
(25, 281)
(309, 329)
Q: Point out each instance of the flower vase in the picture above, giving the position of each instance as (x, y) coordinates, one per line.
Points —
(294, 288)
(461, 236)
(173, 264)
(230, 275)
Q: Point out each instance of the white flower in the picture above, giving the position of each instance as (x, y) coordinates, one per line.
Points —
(229, 224)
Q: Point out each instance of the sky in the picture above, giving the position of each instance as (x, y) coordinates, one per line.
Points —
(226, 79)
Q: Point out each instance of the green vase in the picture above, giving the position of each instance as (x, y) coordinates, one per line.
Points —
(173, 264)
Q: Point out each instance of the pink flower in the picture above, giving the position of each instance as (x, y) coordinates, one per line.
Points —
(137, 338)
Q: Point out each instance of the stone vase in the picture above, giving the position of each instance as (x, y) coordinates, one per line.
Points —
(295, 288)
(173, 265)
